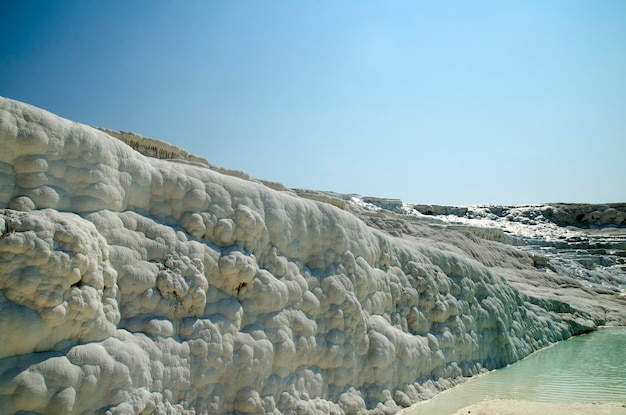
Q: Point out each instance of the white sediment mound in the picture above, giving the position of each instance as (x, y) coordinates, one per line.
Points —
(131, 284)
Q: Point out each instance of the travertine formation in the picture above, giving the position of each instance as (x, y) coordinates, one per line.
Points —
(136, 285)
(562, 214)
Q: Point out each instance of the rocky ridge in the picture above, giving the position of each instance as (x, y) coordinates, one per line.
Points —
(136, 284)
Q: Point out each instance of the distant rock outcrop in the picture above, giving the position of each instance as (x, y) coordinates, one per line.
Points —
(562, 214)
(136, 285)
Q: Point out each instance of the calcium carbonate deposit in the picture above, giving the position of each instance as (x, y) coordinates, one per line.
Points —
(137, 279)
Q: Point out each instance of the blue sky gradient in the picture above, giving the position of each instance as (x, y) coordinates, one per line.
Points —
(447, 102)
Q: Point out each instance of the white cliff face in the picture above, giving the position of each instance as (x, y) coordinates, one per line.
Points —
(131, 284)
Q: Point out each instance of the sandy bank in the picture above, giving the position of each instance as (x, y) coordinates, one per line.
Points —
(515, 407)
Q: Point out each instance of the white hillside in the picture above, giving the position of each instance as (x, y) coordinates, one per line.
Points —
(131, 284)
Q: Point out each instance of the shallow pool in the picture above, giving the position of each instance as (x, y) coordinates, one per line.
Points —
(589, 368)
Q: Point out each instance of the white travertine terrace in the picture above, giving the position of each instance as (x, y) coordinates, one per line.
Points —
(136, 285)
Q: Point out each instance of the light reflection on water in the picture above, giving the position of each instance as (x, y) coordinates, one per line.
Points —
(589, 368)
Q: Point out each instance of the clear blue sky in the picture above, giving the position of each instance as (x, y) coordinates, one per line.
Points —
(449, 102)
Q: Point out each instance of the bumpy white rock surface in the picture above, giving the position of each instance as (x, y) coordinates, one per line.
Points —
(135, 285)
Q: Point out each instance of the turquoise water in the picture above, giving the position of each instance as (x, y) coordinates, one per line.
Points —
(589, 368)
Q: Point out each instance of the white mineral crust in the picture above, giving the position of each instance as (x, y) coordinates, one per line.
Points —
(136, 285)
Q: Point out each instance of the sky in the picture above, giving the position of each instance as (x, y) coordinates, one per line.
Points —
(443, 102)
